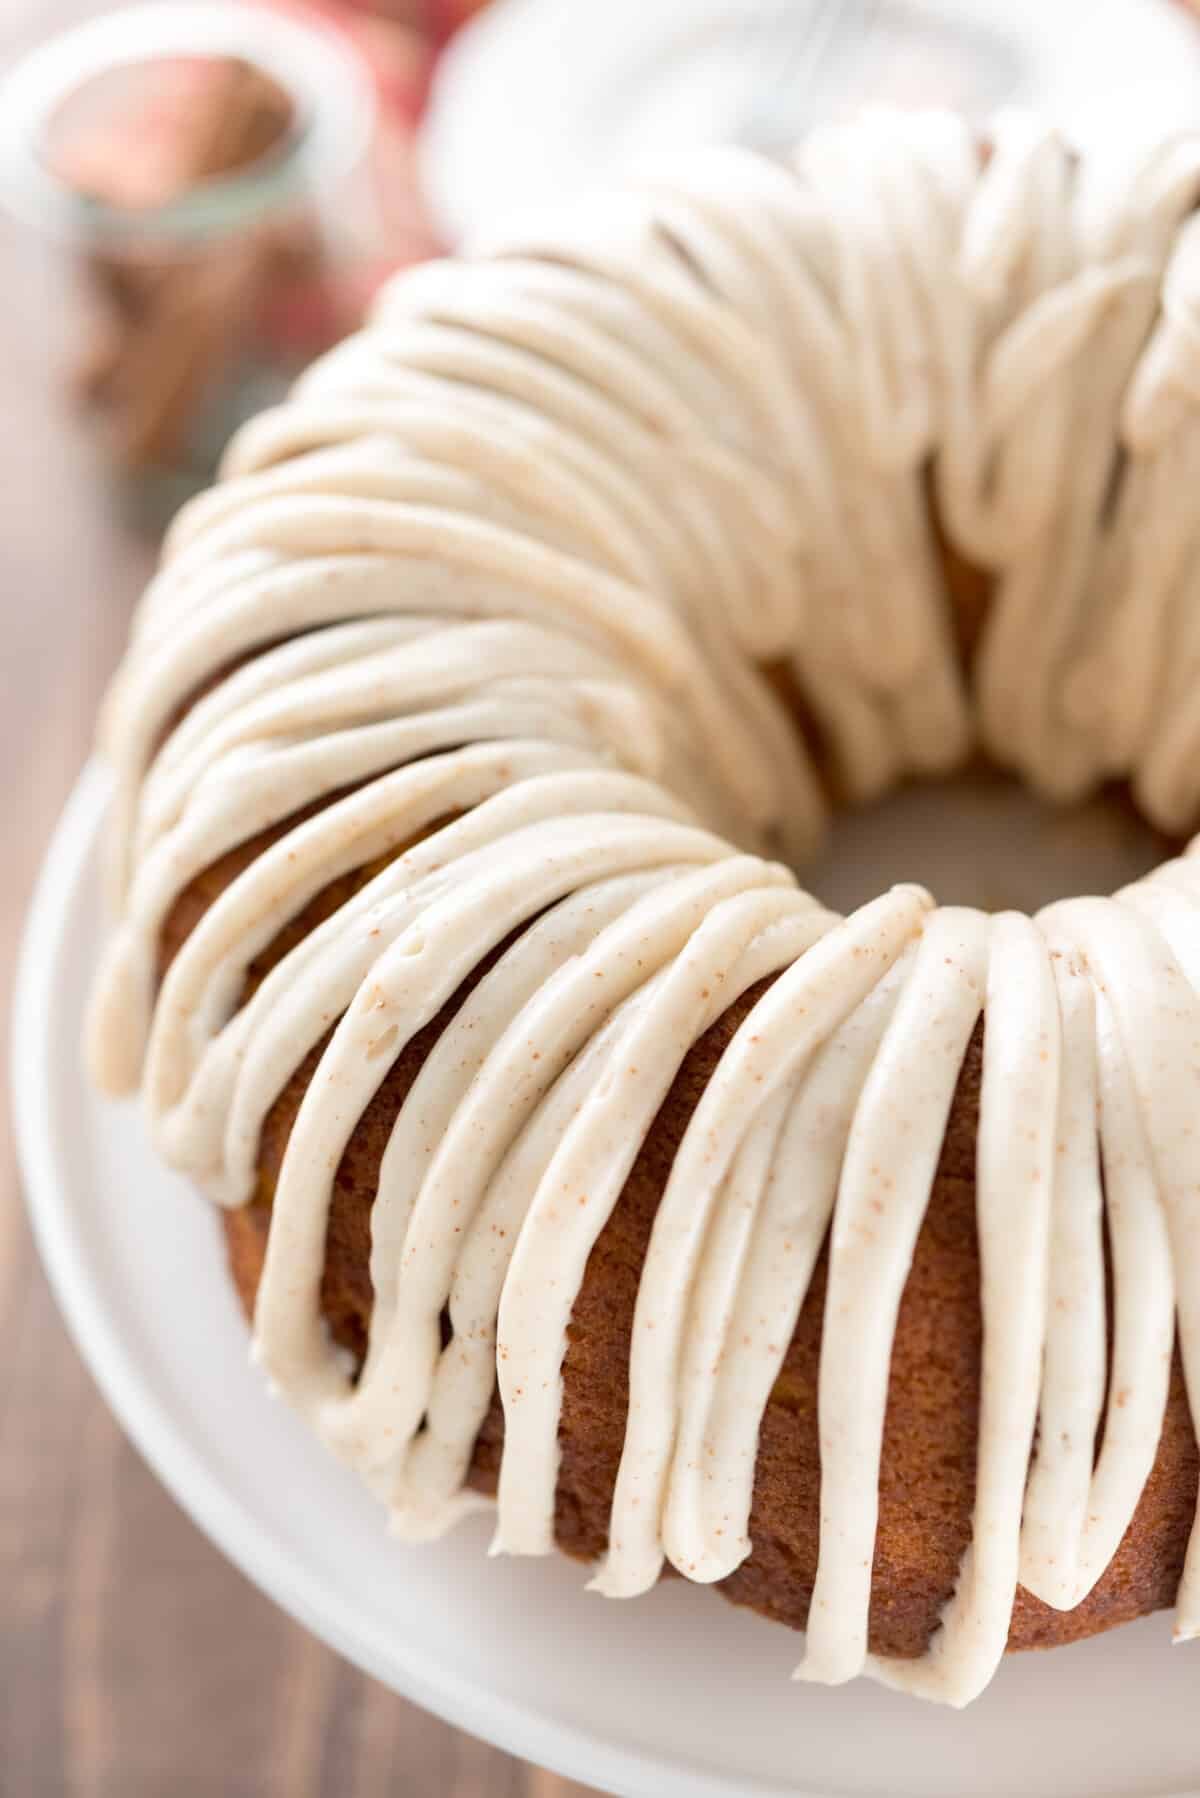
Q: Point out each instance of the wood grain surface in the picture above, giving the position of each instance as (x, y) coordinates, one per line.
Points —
(134, 1662)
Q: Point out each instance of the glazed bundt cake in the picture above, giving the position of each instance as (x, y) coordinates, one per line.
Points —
(573, 1156)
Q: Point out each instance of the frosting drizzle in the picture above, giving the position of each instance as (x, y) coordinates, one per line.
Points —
(489, 616)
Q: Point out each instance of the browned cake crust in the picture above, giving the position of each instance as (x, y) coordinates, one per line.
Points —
(928, 1469)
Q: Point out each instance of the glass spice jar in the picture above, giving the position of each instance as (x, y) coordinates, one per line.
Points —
(203, 166)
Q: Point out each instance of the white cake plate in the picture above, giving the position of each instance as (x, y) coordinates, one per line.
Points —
(677, 1694)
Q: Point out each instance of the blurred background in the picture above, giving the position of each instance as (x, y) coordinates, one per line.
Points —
(195, 199)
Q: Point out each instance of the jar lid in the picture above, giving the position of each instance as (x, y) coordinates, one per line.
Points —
(327, 85)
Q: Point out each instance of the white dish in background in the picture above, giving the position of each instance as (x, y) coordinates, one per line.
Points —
(675, 1696)
(537, 100)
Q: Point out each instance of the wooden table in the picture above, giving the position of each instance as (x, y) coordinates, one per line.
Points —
(134, 1662)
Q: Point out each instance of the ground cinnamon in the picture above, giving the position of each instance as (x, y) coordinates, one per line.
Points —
(166, 325)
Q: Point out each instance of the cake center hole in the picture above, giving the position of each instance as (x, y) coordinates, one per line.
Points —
(983, 839)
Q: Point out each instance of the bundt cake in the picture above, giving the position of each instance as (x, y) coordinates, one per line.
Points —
(573, 1156)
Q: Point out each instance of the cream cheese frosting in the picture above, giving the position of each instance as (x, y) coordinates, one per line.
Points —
(487, 606)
